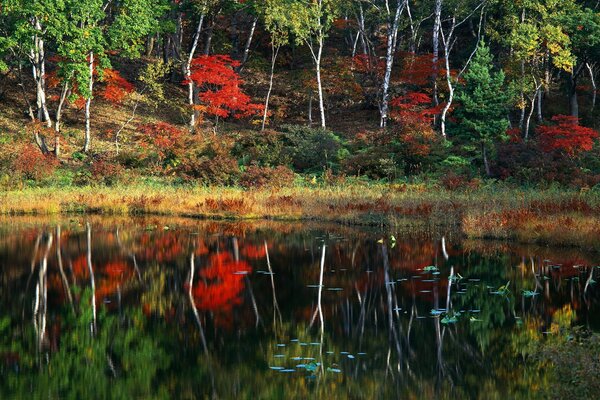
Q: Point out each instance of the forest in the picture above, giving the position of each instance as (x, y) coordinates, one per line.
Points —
(408, 96)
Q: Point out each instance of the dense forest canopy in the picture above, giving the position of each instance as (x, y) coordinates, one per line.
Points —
(251, 92)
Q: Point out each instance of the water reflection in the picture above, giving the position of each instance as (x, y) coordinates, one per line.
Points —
(163, 309)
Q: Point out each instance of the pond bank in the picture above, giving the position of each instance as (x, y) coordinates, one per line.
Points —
(557, 217)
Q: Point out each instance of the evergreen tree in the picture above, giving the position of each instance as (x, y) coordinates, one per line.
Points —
(485, 100)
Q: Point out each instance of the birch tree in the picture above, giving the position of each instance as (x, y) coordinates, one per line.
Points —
(309, 22)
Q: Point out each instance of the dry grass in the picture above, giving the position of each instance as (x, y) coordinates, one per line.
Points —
(552, 217)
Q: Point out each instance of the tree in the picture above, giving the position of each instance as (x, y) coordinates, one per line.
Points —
(484, 102)
(310, 23)
(539, 46)
(392, 37)
(583, 27)
(276, 23)
(93, 28)
(219, 88)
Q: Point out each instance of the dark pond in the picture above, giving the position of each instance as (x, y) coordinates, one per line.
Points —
(154, 308)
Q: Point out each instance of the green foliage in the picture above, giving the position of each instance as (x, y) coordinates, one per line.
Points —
(312, 149)
(484, 106)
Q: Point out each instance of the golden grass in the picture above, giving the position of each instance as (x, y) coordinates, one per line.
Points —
(553, 217)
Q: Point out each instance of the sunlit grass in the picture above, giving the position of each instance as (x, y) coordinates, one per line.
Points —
(541, 216)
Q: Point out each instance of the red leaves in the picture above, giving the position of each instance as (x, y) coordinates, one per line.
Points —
(32, 164)
(219, 87)
(419, 69)
(366, 64)
(413, 107)
(566, 135)
(165, 138)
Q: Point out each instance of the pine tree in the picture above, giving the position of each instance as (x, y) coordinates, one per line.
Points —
(485, 100)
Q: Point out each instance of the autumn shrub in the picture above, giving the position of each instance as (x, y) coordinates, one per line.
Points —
(255, 176)
(210, 162)
(417, 145)
(530, 163)
(312, 149)
(219, 88)
(163, 143)
(31, 164)
(453, 182)
(106, 170)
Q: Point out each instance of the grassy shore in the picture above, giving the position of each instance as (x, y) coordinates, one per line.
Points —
(558, 217)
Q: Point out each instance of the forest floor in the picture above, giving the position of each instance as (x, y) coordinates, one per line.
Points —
(553, 217)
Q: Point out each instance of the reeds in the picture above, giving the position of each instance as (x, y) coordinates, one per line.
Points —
(541, 216)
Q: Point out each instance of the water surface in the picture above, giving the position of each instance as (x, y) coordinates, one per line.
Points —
(156, 308)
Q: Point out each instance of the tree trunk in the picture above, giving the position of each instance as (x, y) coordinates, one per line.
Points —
(573, 100)
(531, 109)
(486, 163)
(437, 22)
(187, 72)
(235, 43)
(248, 43)
(24, 92)
(150, 45)
(319, 83)
(450, 87)
(88, 103)
(540, 95)
(310, 120)
(274, 52)
(59, 111)
(594, 88)
(209, 35)
(389, 61)
(39, 74)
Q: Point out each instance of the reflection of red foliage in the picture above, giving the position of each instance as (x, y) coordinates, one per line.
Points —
(221, 284)
(161, 247)
(567, 135)
(80, 267)
(110, 276)
(253, 252)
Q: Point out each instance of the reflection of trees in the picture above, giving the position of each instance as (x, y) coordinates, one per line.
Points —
(374, 299)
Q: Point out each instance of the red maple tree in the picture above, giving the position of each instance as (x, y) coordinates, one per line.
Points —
(566, 135)
(219, 87)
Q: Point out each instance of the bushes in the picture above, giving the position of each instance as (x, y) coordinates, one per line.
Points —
(31, 164)
(164, 143)
(264, 148)
(312, 150)
(210, 161)
(255, 177)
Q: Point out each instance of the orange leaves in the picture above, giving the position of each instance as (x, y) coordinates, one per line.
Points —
(566, 135)
(219, 87)
(116, 87)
